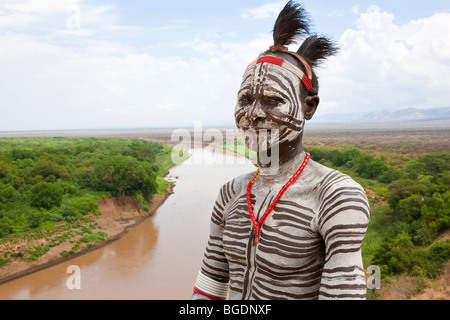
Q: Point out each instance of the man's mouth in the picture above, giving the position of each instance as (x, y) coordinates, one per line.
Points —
(257, 125)
(260, 139)
(257, 129)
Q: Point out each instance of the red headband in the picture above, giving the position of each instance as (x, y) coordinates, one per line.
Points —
(306, 79)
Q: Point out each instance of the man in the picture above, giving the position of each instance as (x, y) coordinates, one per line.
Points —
(293, 229)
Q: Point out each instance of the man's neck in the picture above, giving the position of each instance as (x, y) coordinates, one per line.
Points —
(289, 162)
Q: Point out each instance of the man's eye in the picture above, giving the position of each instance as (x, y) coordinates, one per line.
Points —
(275, 101)
(245, 101)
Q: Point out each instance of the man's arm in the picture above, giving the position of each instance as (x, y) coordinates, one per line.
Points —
(212, 280)
(342, 221)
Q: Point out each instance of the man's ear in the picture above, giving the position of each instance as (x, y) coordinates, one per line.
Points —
(310, 106)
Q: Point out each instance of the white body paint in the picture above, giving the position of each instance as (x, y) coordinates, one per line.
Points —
(310, 244)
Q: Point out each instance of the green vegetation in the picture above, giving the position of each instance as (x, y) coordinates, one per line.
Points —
(410, 209)
(48, 185)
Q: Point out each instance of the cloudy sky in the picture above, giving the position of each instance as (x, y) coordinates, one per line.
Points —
(86, 64)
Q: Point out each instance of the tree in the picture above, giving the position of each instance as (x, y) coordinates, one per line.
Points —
(46, 166)
(394, 255)
(351, 153)
(8, 194)
(434, 164)
(124, 175)
(46, 195)
(85, 178)
(437, 212)
(19, 153)
(402, 189)
(5, 170)
(388, 176)
(369, 167)
(142, 151)
(34, 218)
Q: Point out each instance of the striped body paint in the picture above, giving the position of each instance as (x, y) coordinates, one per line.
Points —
(310, 245)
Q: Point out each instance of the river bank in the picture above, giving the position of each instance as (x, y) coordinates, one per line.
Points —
(158, 259)
(117, 216)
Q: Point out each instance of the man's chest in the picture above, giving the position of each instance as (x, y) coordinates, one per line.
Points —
(288, 243)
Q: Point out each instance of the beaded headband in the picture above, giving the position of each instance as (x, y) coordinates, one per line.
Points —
(305, 78)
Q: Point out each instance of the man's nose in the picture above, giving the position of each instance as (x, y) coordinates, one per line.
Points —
(256, 112)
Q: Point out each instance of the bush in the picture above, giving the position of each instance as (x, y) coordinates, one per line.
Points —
(46, 195)
(124, 175)
(6, 227)
(402, 189)
(34, 219)
(56, 217)
(437, 211)
(368, 167)
(95, 237)
(364, 165)
(38, 251)
(433, 164)
(85, 178)
(395, 254)
(47, 166)
(389, 175)
(77, 207)
(8, 194)
(48, 180)
(398, 255)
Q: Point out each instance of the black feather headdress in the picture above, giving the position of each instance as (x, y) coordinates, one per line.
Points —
(292, 24)
(317, 49)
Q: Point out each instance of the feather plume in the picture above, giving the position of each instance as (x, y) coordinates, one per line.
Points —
(292, 22)
(316, 49)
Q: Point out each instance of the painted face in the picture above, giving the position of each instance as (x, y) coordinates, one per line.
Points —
(269, 98)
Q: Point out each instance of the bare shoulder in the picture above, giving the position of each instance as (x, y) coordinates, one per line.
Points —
(243, 179)
(235, 186)
(331, 180)
(341, 201)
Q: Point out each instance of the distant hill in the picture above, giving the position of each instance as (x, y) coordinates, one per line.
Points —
(407, 115)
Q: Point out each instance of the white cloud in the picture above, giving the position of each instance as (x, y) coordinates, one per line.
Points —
(57, 19)
(17, 20)
(42, 6)
(268, 10)
(373, 9)
(383, 65)
(81, 78)
(167, 106)
(336, 13)
(105, 84)
(355, 9)
(23, 14)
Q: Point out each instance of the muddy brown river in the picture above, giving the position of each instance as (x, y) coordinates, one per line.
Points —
(157, 260)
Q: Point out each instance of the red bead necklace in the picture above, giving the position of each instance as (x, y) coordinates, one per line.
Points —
(256, 224)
